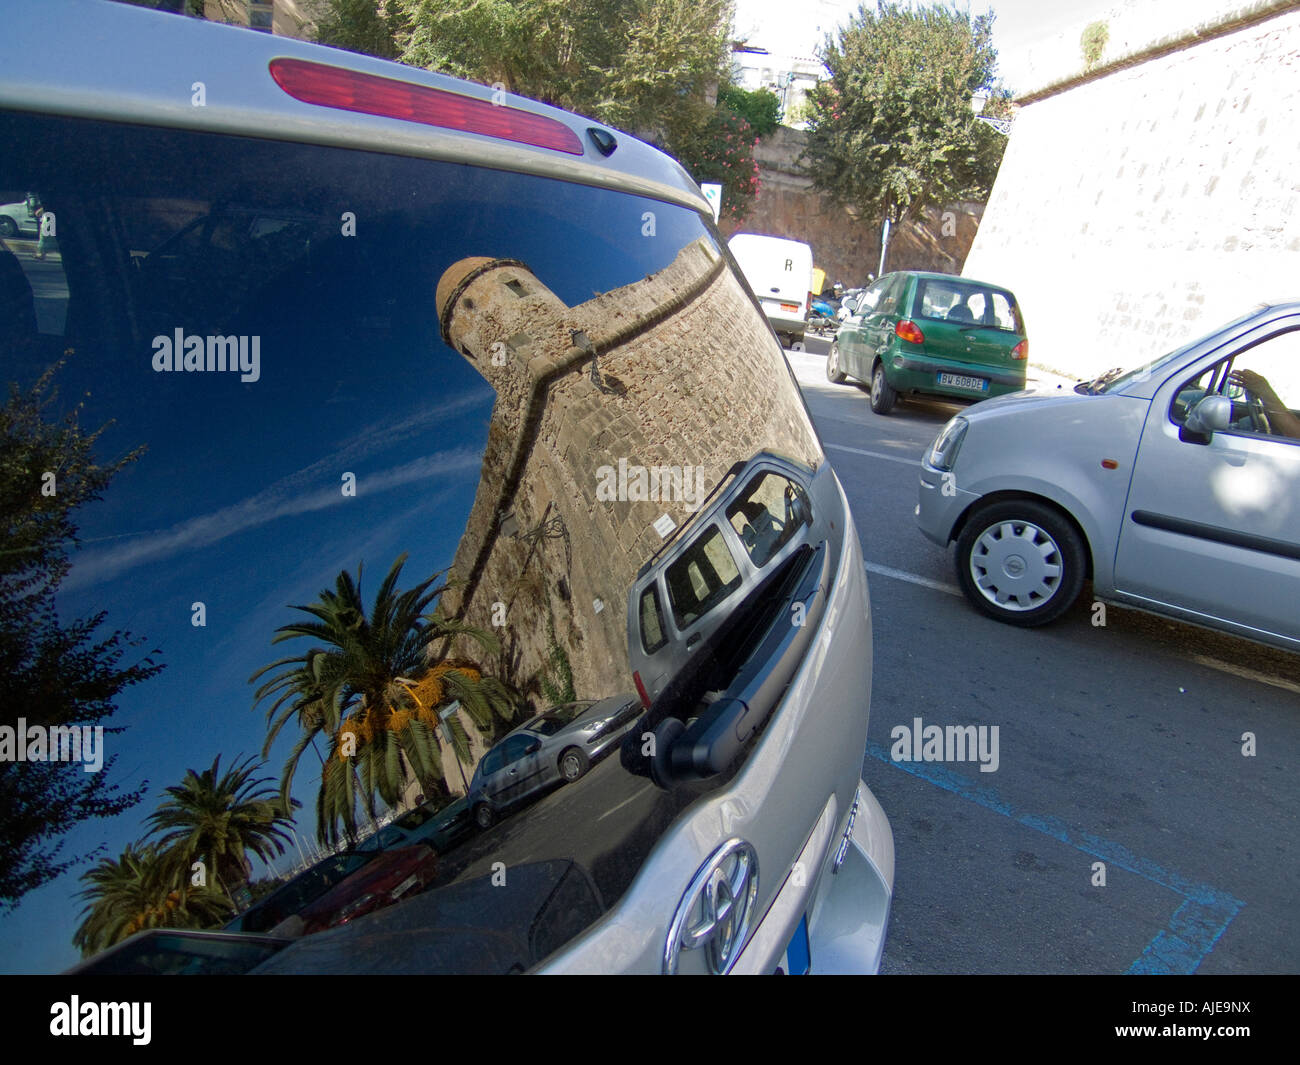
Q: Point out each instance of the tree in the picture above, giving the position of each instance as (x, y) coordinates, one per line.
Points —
(891, 131)
(57, 672)
(640, 65)
(220, 820)
(373, 685)
(761, 108)
(364, 26)
(141, 890)
(722, 150)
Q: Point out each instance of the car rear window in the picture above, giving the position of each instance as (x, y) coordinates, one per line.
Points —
(702, 577)
(956, 301)
(767, 515)
(334, 377)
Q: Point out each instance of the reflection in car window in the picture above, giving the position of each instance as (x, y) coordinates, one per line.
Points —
(767, 515)
(955, 301)
(890, 297)
(702, 577)
(652, 622)
(321, 362)
(1263, 383)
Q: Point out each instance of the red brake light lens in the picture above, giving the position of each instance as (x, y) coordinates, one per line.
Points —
(1021, 350)
(909, 331)
(640, 690)
(370, 94)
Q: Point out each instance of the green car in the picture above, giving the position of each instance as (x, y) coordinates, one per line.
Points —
(915, 333)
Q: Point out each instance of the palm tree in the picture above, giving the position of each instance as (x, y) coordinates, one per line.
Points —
(141, 890)
(222, 818)
(357, 688)
(300, 694)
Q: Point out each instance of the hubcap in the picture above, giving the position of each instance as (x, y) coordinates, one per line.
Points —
(570, 767)
(1016, 565)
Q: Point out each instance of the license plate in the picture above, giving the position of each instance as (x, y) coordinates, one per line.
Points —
(952, 380)
(798, 955)
(404, 886)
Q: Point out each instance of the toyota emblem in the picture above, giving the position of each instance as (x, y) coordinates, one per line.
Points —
(713, 915)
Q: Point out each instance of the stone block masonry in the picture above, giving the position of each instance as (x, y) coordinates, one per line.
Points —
(1138, 210)
(540, 537)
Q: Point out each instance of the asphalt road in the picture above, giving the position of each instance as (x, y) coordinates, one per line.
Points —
(1120, 745)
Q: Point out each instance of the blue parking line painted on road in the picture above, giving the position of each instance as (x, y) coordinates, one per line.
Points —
(1196, 925)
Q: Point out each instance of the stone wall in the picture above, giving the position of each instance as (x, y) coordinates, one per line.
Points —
(1136, 211)
(847, 248)
(674, 351)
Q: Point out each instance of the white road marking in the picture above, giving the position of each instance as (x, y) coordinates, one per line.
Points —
(911, 578)
(875, 454)
(632, 798)
(1246, 674)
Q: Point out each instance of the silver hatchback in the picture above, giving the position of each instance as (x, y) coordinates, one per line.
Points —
(1174, 486)
(556, 747)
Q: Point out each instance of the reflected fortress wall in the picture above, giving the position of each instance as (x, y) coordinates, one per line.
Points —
(674, 351)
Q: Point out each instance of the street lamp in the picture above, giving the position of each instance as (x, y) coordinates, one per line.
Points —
(977, 102)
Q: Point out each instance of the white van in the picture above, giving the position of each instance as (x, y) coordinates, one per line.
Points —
(780, 272)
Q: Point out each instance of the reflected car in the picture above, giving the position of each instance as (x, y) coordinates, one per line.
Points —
(294, 896)
(925, 334)
(1175, 487)
(397, 364)
(477, 926)
(17, 220)
(182, 952)
(387, 879)
(555, 747)
(438, 827)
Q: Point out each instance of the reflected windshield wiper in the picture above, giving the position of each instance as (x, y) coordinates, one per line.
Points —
(1093, 387)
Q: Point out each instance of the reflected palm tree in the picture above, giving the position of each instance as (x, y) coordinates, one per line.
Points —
(141, 890)
(373, 685)
(221, 819)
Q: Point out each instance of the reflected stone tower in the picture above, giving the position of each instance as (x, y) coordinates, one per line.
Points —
(632, 375)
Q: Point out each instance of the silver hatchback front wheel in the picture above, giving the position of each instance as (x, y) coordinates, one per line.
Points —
(1021, 562)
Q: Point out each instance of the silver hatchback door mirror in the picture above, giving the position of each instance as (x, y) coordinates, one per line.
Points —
(1211, 414)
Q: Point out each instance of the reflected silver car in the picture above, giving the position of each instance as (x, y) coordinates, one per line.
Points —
(1174, 486)
(556, 747)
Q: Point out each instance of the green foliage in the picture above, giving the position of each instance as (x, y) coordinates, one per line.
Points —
(722, 150)
(140, 890)
(760, 108)
(57, 671)
(892, 130)
(556, 679)
(371, 686)
(638, 65)
(221, 820)
(363, 26)
(1093, 43)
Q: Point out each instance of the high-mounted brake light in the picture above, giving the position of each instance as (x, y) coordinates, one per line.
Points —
(370, 94)
(909, 331)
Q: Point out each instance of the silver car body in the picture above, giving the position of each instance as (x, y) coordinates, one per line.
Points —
(1205, 529)
(789, 829)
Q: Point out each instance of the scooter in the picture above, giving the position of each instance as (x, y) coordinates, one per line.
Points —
(821, 318)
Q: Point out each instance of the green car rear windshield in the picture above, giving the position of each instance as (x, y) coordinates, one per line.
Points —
(967, 303)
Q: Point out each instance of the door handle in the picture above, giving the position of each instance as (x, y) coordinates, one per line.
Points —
(692, 641)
